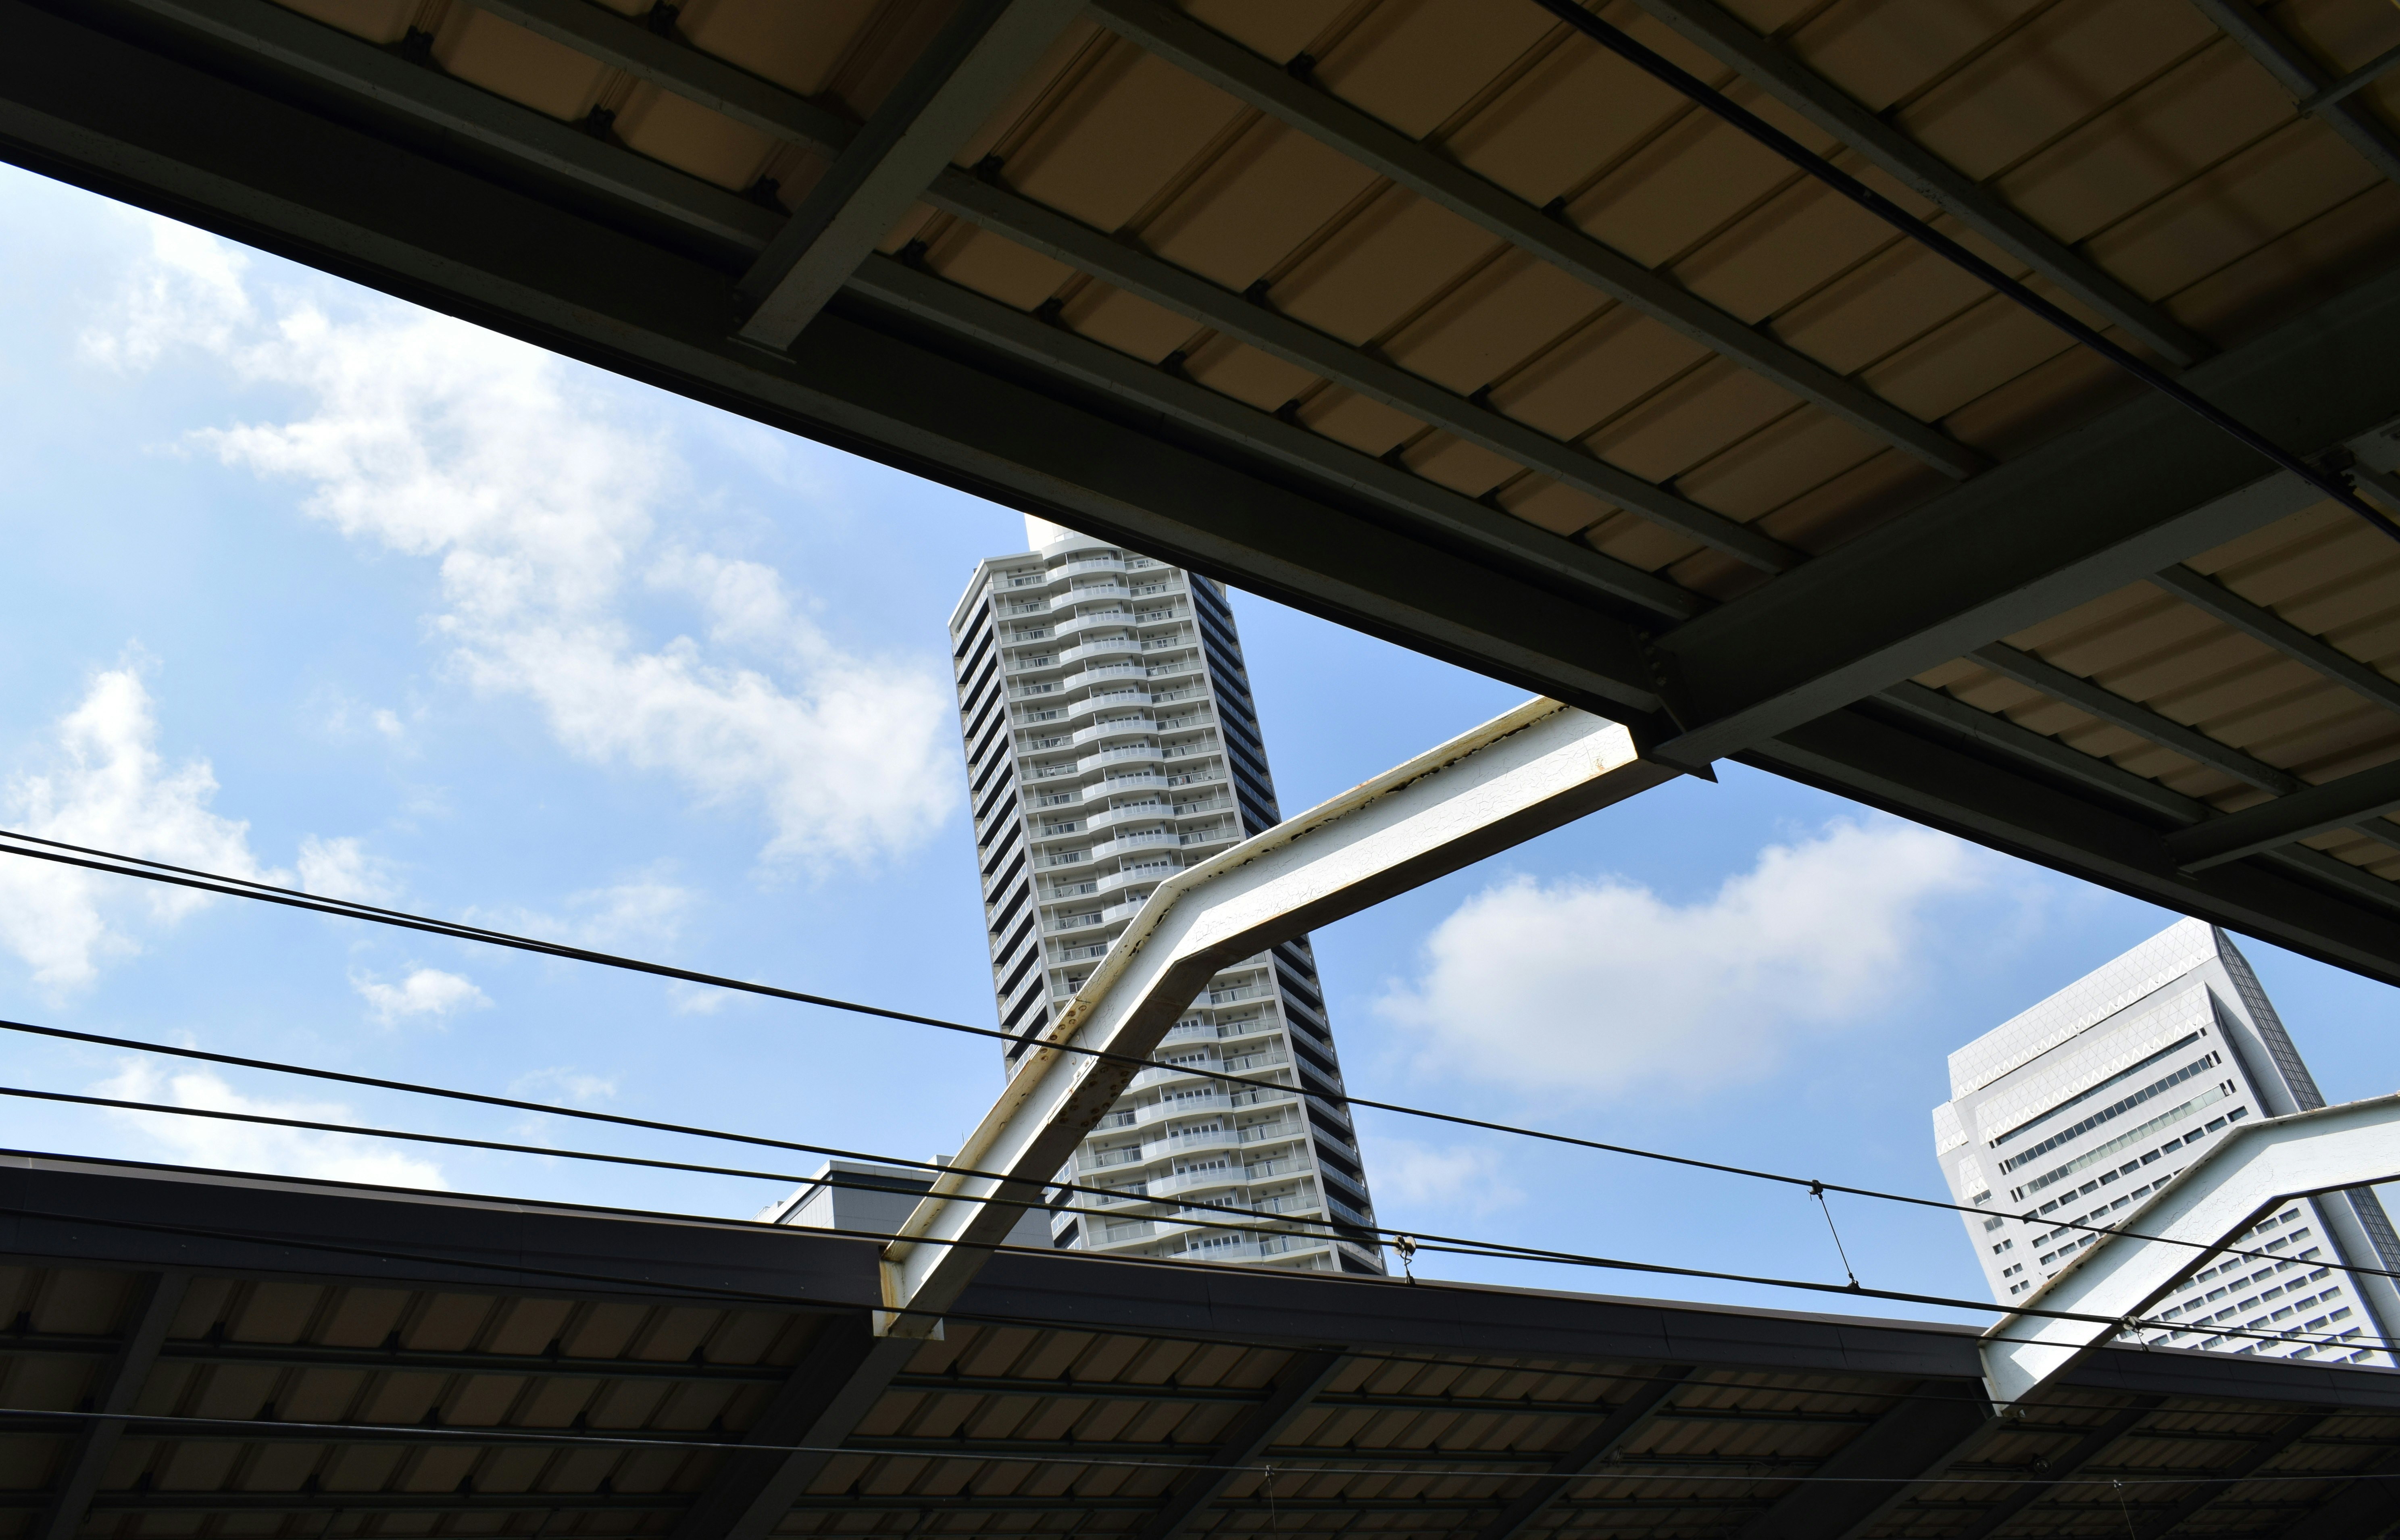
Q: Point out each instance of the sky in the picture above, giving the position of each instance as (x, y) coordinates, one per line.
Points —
(310, 586)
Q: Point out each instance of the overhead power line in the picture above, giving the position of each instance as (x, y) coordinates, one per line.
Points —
(37, 848)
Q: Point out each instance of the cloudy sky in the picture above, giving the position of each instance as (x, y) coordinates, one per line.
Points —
(311, 587)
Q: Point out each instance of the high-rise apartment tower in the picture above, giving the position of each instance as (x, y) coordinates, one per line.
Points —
(1111, 740)
(2074, 1112)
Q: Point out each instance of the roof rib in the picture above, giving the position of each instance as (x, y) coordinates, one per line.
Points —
(2296, 72)
(961, 78)
(1270, 87)
(1782, 74)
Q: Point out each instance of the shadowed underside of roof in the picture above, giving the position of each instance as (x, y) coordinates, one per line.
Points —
(1435, 317)
(196, 1354)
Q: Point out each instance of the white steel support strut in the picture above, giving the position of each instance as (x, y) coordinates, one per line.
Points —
(2187, 1224)
(1529, 771)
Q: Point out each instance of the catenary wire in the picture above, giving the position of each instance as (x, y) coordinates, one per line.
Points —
(1499, 1252)
(636, 1439)
(137, 867)
(932, 1167)
(1684, 83)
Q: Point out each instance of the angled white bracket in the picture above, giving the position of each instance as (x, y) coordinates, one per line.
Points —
(2182, 1227)
(1527, 772)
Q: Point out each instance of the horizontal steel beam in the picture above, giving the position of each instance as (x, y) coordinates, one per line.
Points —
(1273, 90)
(1776, 70)
(2167, 1238)
(2298, 899)
(1522, 774)
(2109, 504)
(2281, 56)
(1258, 323)
(2316, 810)
(2263, 624)
(2118, 711)
(1567, 565)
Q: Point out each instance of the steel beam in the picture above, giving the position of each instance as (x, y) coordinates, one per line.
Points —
(148, 1315)
(1782, 74)
(2282, 57)
(1258, 323)
(624, 43)
(1303, 1376)
(832, 1388)
(1273, 90)
(2116, 710)
(963, 77)
(2316, 810)
(1522, 774)
(2081, 1454)
(2187, 1221)
(2109, 504)
(2263, 624)
(1624, 1422)
(2319, 906)
(2368, 1504)
(1866, 1477)
(2254, 1459)
(1567, 565)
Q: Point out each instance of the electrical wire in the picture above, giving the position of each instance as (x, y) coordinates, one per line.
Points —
(1664, 70)
(1503, 1251)
(1498, 1250)
(137, 867)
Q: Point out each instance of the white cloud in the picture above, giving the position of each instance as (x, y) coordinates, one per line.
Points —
(342, 868)
(1450, 1176)
(1603, 987)
(648, 913)
(697, 999)
(107, 786)
(256, 1147)
(429, 437)
(425, 993)
(563, 1088)
(189, 294)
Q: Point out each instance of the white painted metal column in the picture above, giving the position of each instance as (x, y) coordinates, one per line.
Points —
(2186, 1223)
(1529, 771)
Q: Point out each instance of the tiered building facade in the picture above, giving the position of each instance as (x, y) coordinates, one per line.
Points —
(1111, 740)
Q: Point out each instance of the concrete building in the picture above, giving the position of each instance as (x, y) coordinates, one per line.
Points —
(2075, 1110)
(1111, 741)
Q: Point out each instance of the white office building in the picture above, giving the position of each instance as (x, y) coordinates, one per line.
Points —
(1111, 741)
(2074, 1112)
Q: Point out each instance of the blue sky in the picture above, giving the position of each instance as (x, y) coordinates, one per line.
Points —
(312, 586)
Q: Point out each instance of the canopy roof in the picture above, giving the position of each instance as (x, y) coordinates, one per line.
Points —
(1440, 319)
(257, 1356)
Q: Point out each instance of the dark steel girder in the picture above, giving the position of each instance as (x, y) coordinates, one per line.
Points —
(1988, 798)
(151, 1311)
(1864, 1478)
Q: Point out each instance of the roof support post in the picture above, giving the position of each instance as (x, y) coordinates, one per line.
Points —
(1920, 1435)
(147, 1316)
(1306, 1375)
(2299, 75)
(2190, 1220)
(1778, 72)
(963, 77)
(1629, 1418)
(1532, 770)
